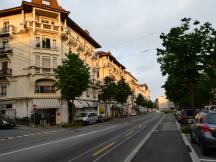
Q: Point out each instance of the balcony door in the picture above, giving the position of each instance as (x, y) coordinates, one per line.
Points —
(4, 67)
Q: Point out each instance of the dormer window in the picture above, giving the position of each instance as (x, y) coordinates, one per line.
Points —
(46, 2)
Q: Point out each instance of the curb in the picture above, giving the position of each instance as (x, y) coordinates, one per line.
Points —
(193, 154)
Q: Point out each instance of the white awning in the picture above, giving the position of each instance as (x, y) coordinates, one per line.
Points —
(78, 104)
(93, 104)
(46, 103)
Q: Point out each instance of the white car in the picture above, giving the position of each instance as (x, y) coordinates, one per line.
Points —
(88, 117)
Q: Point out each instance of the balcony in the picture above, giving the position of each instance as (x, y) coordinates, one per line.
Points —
(73, 41)
(5, 73)
(88, 51)
(43, 70)
(42, 26)
(81, 47)
(95, 83)
(5, 51)
(7, 31)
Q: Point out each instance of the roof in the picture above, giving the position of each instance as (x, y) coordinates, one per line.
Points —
(131, 75)
(82, 32)
(53, 4)
(28, 6)
(109, 54)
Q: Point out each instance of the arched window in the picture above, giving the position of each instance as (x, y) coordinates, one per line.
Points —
(45, 86)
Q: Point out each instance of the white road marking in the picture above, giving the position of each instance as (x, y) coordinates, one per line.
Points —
(212, 160)
(135, 151)
(10, 138)
(25, 135)
(19, 136)
(56, 141)
(192, 154)
(2, 139)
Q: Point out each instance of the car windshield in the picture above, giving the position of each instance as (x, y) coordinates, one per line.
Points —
(83, 115)
(211, 119)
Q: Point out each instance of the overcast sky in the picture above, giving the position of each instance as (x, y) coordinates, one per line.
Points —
(130, 29)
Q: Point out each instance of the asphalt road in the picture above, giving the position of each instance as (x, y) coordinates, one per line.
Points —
(164, 145)
(107, 142)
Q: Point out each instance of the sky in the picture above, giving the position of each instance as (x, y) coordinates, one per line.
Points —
(130, 29)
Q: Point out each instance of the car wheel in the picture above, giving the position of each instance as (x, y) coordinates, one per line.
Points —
(192, 138)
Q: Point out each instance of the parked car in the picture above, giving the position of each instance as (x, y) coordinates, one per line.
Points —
(101, 119)
(187, 115)
(5, 122)
(88, 117)
(203, 131)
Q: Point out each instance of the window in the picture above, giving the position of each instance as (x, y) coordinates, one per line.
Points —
(37, 64)
(45, 21)
(45, 86)
(45, 89)
(46, 64)
(37, 42)
(5, 44)
(3, 90)
(46, 43)
(46, 2)
(54, 63)
(6, 26)
(54, 46)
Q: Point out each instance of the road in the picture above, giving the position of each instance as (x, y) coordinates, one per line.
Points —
(107, 142)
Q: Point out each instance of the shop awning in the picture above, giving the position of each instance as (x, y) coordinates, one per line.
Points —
(78, 104)
(46, 103)
(93, 104)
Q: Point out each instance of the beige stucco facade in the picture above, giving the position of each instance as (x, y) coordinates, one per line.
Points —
(33, 40)
(110, 66)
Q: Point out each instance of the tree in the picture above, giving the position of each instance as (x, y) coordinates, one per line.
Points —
(140, 100)
(108, 91)
(123, 90)
(188, 59)
(73, 78)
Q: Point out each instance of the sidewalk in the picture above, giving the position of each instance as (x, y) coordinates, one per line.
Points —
(164, 145)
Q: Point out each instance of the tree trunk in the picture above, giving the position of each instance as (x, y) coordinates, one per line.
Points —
(192, 104)
(71, 111)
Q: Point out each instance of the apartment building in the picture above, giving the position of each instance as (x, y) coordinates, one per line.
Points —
(110, 66)
(144, 90)
(163, 103)
(34, 38)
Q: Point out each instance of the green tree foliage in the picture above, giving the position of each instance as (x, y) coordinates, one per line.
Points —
(72, 78)
(140, 100)
(123, 90)
(108, 90)
(188, 60)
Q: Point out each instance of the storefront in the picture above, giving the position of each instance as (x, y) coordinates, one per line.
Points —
(46, 111)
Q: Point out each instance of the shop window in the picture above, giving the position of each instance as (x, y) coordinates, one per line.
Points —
(46, 43)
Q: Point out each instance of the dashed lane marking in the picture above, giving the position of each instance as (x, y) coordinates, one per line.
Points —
(27, 135)
(208, 160)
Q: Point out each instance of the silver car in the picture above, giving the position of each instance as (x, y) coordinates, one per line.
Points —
(88, 117)
(203, 131)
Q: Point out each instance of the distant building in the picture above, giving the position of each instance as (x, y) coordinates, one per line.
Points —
(163, 103)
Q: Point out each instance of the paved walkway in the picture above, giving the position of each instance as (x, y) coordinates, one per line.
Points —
(164, 145)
